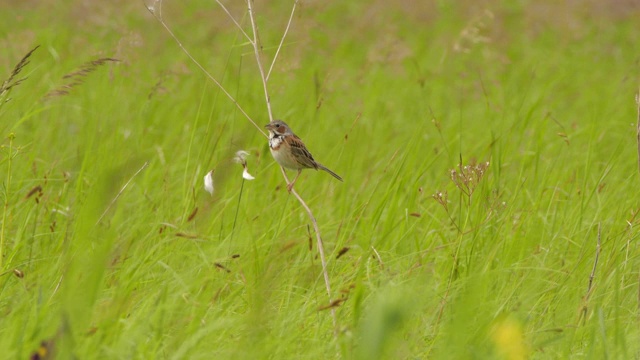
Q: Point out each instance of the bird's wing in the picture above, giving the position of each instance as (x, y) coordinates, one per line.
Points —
(301, 154)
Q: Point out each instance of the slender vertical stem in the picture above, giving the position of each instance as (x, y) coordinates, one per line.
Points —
(5, 208)
(638, 126)
(320, 245)
(585, 309)
(256, 50)
(235, 218)
(124, 187)
(286, 30)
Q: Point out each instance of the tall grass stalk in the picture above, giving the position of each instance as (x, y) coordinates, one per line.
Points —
(5, 205)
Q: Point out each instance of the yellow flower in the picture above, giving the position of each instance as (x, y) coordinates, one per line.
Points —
(508, 338)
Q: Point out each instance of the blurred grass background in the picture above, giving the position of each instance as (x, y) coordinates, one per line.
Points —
(390, 96)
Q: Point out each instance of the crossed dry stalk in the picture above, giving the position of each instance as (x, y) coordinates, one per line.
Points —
(156, 10)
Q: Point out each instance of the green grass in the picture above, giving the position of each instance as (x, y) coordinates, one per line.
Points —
(389, 97)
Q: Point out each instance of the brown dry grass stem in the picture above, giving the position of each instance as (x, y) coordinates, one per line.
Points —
(584, 310)
(595, 262)
(284, 35)
(77, 77)
(256, 51)
(234, 21)
(320, 244)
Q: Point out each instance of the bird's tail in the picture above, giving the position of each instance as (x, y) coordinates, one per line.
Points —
(322, 167)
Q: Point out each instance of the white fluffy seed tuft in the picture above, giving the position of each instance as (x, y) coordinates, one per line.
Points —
(208, 182)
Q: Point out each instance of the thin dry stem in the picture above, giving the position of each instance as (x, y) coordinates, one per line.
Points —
(378, 257)
(5, 208)
(121, 191)
(584, 311)
(320, 245)
(56, 288)
(234, 21)
(286, 30)
(256, 50)
(595, 262)
(158, 15)
(638, 126)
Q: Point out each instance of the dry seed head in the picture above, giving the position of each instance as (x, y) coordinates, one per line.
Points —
(77, 77)
(155, 6)
(467, 177)
(471, 34)
(442, 198)
(241, 158)
(9, 83)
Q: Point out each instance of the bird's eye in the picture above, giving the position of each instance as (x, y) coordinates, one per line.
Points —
(277, 125)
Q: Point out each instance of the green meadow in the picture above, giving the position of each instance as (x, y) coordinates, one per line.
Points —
(488, 210)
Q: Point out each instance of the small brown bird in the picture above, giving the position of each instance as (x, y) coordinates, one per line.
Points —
(290, 152)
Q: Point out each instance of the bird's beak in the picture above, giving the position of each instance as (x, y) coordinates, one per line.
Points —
(268, 126)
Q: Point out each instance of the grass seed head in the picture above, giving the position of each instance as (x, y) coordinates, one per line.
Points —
(11, 81)
(77, 77)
